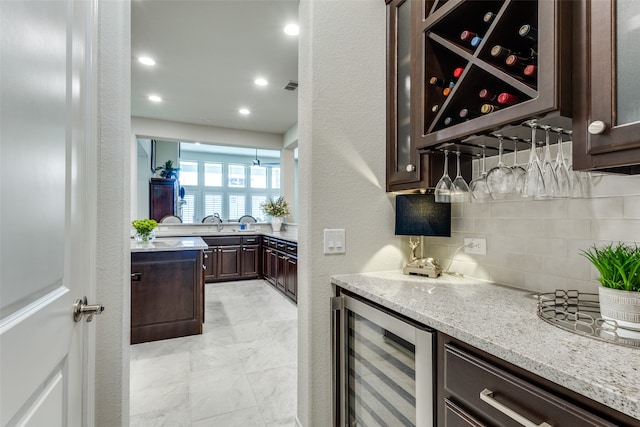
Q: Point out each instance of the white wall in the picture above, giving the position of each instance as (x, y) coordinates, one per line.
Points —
(341, 125)
(114, 185)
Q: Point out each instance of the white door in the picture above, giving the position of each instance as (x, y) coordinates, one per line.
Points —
(46, 246)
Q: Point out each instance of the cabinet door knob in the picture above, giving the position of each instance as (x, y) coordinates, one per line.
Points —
(596, 127)
(411, 168)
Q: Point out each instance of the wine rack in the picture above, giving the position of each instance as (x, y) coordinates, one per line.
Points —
(458, 36)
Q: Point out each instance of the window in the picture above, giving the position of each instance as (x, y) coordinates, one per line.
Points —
(188, 209)
(212, 204)
(237, 176)
(275, 177)
(236, 206)
(213, 174)
(188, 174)
(256, 212)
(258, 177)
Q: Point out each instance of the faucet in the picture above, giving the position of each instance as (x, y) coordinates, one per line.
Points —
(218, 221)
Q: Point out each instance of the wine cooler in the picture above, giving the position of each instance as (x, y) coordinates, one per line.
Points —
(383, 367)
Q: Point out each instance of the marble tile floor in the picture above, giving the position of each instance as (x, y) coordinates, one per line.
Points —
(242, 371)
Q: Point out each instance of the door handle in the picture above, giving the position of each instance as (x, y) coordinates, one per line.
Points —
(486, 395)
(81, 308)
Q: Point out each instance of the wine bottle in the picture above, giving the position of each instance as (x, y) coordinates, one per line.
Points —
(517, 61)
(467, 36)
(446, 91)
(489, 17)
(530, 70)
(529, 32)
(448, 121)
(457, 73)
(467, 114)
(487, 95)
(436, 81)
(488, 108)
(435, 108)
(476, 41)
(507, 99)
(501, 52)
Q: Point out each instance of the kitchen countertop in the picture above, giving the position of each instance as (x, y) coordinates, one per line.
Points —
(206, 230)
(503, 322)
(161, 244)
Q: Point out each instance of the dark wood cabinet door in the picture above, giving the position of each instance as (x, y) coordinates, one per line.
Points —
(209, 264)
(250, 261)
(162, 198)
(281, 270)
(166, 295)
(605, 87)
(291, 278)
(229, 260)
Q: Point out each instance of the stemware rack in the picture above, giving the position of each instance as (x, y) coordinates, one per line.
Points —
(462, 69)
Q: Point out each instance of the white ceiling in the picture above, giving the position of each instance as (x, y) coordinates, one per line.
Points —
(208, 53)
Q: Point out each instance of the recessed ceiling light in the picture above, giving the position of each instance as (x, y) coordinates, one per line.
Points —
(146, 60)
(261, 82)
(244, 111)
(292, 29)
(155, 98)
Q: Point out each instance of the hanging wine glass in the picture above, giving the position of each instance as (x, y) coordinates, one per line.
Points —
(444, 187)
(561, 170)
(478, 187)
(548, 174)
(519, 173)
(461, 191)
(500, 178)
(533, 183)
(576, 183)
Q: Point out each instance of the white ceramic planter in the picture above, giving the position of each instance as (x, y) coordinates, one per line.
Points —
(276, 223)
(621, 306)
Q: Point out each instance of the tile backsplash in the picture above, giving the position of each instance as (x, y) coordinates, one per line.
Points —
(535, 244)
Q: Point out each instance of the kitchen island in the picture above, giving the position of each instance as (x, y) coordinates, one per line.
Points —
(502, 322)
(167, 288)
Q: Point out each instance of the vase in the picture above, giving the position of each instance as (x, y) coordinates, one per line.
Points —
(621, 306)
(145, 237)
(276, 223)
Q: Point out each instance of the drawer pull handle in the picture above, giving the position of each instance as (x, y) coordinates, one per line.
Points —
(486, 395)
(136, 277)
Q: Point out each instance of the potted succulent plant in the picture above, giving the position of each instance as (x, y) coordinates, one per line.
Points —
(619, 268)
(276, 209)
(144, 229)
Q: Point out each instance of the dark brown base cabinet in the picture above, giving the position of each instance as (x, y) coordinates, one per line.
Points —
(166, 295)
(232, 258)
(477, 389)
(280, 265)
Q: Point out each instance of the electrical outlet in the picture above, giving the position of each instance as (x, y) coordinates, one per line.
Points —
(475, 245)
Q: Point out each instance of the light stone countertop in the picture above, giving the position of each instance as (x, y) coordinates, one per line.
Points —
(503, 322)
(161, 244)
(229, 229)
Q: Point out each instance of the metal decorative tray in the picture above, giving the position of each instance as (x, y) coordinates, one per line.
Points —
(579, 312)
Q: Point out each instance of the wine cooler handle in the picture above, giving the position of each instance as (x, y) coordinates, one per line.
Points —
(596, 127)
(486, 395)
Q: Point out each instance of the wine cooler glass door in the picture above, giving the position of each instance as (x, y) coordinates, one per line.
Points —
(387, 377)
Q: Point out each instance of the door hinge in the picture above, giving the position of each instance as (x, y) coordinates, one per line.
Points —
(337, 303)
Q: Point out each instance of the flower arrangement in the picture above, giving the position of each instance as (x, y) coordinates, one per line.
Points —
(144, 229)
(275, 208)
(619, 266)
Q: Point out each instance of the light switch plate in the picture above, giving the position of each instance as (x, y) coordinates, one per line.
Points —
(334, 241)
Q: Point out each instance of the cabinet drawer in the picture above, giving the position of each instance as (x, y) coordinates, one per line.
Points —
(273, 243)
(505, 396)
(222, 241)
(250, 240)
(292, 249)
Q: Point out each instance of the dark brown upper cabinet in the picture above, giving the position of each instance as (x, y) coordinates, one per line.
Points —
(407, 167)
(607, 108)
(453, 44)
